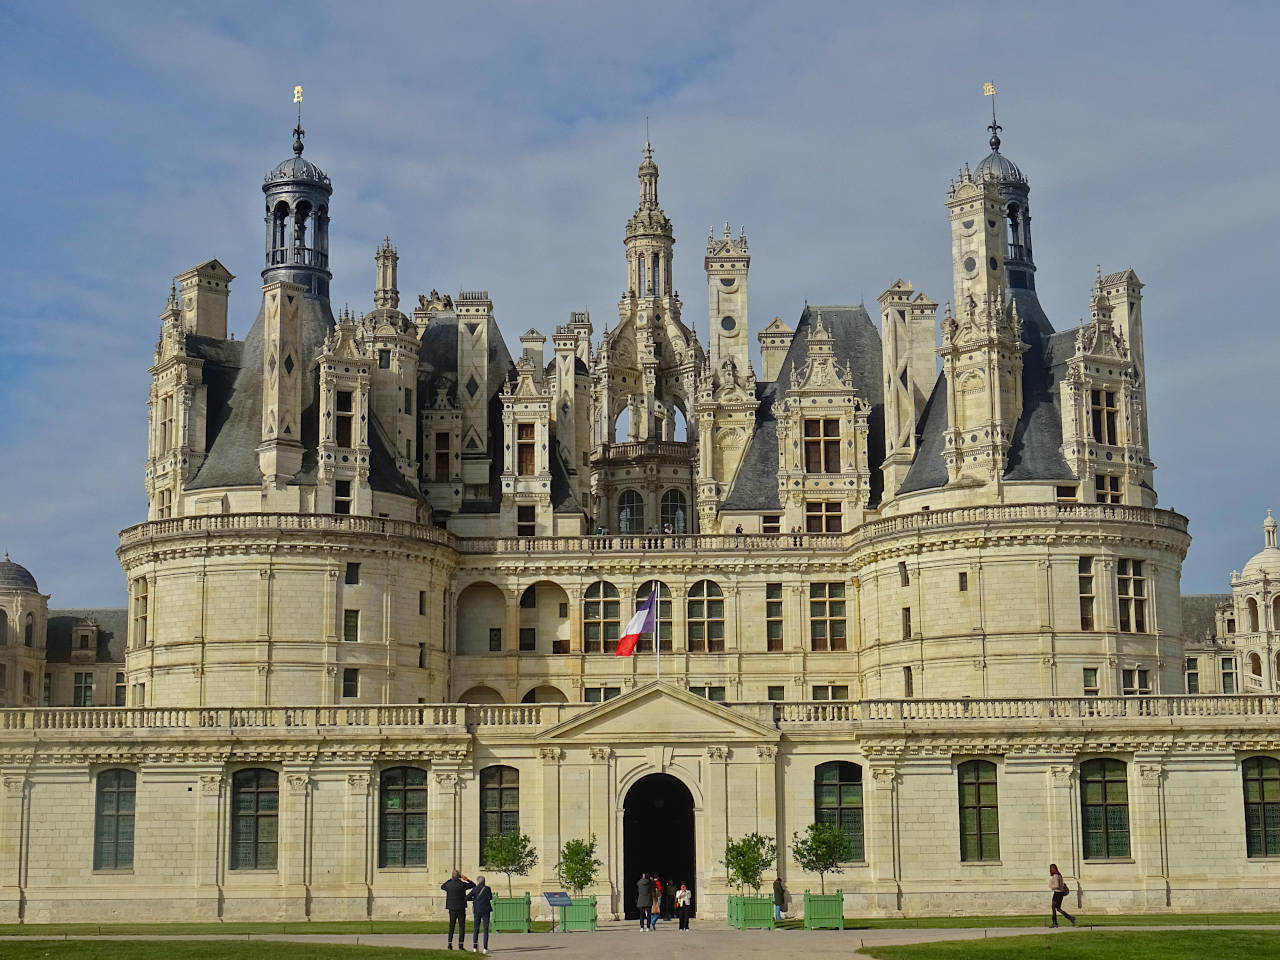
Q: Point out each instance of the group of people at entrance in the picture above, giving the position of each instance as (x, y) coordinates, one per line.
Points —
(657, 900)
(458, 891)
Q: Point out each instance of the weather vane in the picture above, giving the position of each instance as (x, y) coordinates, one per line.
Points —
(989, 90)
(298, 132)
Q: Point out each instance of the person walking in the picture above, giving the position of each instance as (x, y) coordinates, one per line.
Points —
(655, 909)
(683, 897)
(455, 901)
(1060, 890)
(779, 899)
(644, 899)
(481, 897)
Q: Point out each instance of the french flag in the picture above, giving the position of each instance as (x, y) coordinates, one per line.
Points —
(642, 622)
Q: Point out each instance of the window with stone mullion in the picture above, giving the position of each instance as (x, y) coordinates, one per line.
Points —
(402, 817)
(979, 811)
(662, 622)
(113, 820)
(837, 799)
(499, 803)
(1104, 802)
(255, 811)
(1262, 806)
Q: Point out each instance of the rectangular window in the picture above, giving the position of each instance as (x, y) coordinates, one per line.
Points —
(140, 612)
(822, 446)
(495, 639)
(342, 496)
(139, 694)
(773, 617)
(906, 623)
(255, 819)
(1193, 674)
(422, 656)
(384, 359)
(830, 691)
(1103, 411)
(776, 693)
(564, 611)
(979, 811)
(350, 682)
(908, 683)
(351, 625)
(1090, 681)
(1106, 487)
(1228, 674)
(353, 574)
(345, 416)
(709, 693)
(121, 690)
(1134, 682)
(772, 523)
(46, 693)
(826, 616)
(28, 685)
(528, 639)
(164, 504)
(1068, 494)
(1131, 591)
(1085, 573)
(600, 694)
(113, 820)
(442, 457)
(4, 680)
(408, 401)
(81, 693)
(904, 578)
(422, 603)
(526, 525)
(964, 582)
(822, 516)
(524, 450)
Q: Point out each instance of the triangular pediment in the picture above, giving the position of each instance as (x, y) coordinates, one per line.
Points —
(214, 269)
(776, 325)
(660, 711)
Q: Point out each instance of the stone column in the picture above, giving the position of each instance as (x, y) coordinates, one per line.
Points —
(357, 845)
(443, 830)
(767, 794)
(1061, 835)
(294, 850)
(13, 819)
(715, 821)
(211, 838)
(1148, 837)
(549, 809)
(880, 826)
(602, 803)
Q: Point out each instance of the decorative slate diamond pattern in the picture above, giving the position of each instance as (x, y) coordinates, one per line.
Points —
(472, 386)
(288, 364)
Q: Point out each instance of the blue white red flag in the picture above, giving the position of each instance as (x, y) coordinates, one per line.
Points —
(642, 622)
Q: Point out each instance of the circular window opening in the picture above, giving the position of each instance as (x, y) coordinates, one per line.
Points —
(970, 264)
(728, 323)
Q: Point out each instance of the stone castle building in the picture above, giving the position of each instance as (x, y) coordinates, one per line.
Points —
(912, 579)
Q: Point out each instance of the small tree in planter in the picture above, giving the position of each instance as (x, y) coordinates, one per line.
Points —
(747, 860)
(510, 853)
(821, 850)
(577, 870)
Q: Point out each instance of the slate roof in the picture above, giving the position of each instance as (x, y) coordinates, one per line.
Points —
(113, 633)
(14, 576)
(856, 342)
(1198, 610)
(1035, 450)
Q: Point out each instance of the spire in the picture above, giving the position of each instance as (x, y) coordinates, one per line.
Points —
(298, 132)
(648, 179)
(989, 90)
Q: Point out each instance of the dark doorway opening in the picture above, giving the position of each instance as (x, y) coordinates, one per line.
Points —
(658, 839)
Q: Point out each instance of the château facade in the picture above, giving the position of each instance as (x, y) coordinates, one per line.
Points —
(912, 576)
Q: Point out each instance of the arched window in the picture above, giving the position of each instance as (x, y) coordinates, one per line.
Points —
(1251, 607)
(675, 512)
(255, 813)
(837, 799)
(631, 512)
(4, 628)
(113, 820)
(600, 618)
(499, 803)
(1255, 665)
(1262, 806)
(979, 811)
(402, 817)
(1104, 808)
(28, 630)
(706, 617)
(663, 623)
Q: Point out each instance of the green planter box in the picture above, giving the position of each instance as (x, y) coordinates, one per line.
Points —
(734, 912)
(580, 916)
(824, 911)
(755, 913)
(511, 915)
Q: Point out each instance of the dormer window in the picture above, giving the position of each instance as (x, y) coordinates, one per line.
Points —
(822, 446)
(525, 450)
(1103, 410)
(342, 427)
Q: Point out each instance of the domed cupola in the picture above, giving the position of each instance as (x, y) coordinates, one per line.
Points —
(1267, 561)
(1014, 189)
(297, 217)
(16, 577)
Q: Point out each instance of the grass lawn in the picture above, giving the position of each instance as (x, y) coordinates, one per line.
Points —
(181, 929)
(1042, 920)
(202, 949)
(1111, 945)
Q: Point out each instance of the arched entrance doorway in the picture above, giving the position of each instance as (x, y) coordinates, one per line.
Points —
(657, 837)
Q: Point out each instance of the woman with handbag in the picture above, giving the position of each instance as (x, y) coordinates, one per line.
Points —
(1060, 890)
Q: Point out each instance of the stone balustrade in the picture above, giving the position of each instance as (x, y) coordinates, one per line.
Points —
(458, 718)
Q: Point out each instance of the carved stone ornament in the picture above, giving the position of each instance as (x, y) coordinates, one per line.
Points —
(297, 782)
(1150, 773)
(601, 754)
(13, 786)
(447, 779)
(210, 784)
(358, 783)
(718, 753)
(767, 752)
(331, 671)
(1061, 775)
(552, 754)
(884, 774)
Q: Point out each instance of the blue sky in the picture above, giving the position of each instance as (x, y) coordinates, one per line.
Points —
(497, 144)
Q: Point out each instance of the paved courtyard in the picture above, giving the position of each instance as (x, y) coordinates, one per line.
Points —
(709, 940)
